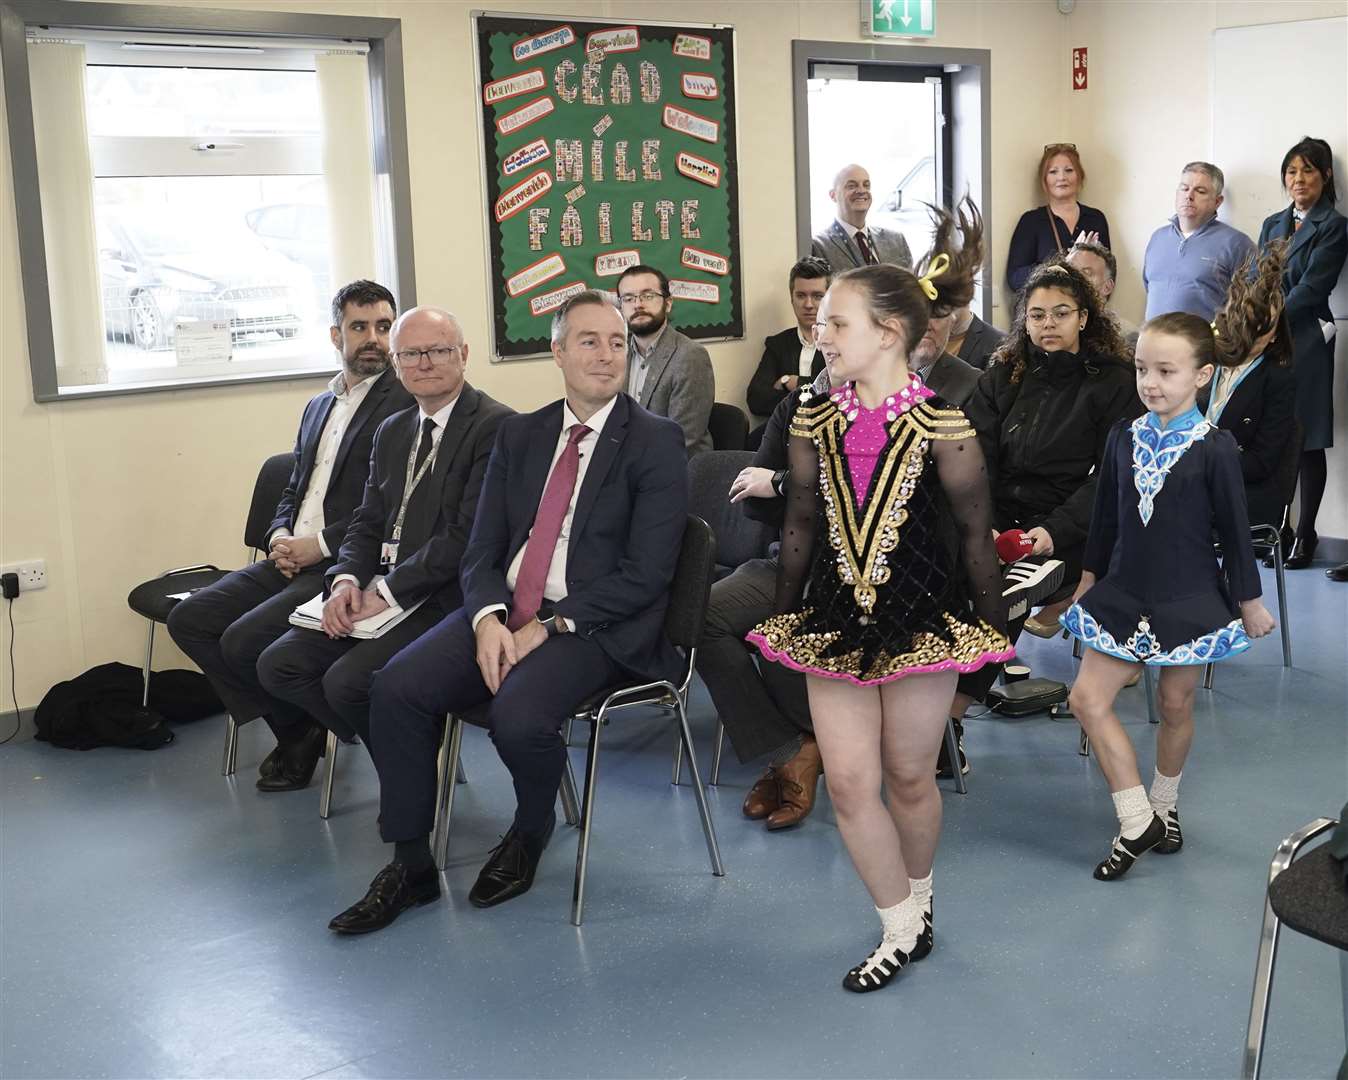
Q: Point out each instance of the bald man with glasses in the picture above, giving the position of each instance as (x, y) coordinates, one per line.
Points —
(402, 548)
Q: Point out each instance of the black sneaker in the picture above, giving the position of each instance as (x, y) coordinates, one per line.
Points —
(1174, 839)
(1127, 852)
(943, 758)
(1025, 584)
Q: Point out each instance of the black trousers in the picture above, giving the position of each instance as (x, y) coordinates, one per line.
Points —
(327, 681)
(762, 705)
(226, 627)
(438, 674)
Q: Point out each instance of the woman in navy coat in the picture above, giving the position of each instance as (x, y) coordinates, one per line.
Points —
(1318, 246)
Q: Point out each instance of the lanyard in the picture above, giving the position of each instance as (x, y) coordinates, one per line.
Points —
(411, 482)
(1215, 409)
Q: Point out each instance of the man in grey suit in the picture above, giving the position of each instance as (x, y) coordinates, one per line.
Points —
(848, 242)
(667, 372)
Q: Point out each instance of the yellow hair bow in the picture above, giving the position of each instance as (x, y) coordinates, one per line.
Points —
(1215, 331)
(939, 266)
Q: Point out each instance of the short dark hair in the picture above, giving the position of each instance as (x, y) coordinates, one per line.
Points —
(642, 268)
(587, 298)
(1100, 251)
(811, 267)
(360, 292)
(1317, 154)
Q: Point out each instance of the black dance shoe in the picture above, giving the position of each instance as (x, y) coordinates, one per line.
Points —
(392, 892)
(926, 939)
(878, 969)
(1127, 852)
(1303, 552)
(1174, 839)
(511, 867)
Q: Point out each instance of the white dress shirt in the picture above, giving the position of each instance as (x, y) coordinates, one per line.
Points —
(440, 418)
(807, 348)
(309, 518)
(555, 587)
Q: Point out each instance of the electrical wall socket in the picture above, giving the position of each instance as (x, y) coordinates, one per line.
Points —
(32, 574)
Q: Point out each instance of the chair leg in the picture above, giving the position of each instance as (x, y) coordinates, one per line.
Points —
(1263, 984)
(1149, 688)
(329, 773)
(716, 754)
(566, 731)
(1208, 671)
(570, 803)
(708, 828)
(586, 819)
(231, 746)
(1077, 652)
(460, 777)
(145, 671)
(1084, 748)
(1283, 622)
(952, 752)
(678, 763)
(450, 748)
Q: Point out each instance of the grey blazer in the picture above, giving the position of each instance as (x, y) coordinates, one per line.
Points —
(837, 248)
(679, 384)
(980, 342)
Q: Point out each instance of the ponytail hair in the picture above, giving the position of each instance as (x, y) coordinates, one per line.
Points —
(1254, 306)
(1191, 328)
(893, 293)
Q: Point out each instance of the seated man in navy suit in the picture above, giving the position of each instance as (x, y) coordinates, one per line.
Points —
(224, 628)
(403, 547)
(565, 585)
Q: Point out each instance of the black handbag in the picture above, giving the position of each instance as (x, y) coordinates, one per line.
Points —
(1026, 696)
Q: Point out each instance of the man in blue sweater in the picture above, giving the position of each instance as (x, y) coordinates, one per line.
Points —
(1190, 260)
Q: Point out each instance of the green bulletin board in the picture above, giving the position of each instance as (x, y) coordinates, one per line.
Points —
(605, 145)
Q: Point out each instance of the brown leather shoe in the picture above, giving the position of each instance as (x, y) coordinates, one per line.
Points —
(798, 781)
(763, 798)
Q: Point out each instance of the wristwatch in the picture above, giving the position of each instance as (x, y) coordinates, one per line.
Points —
(779, 481)
(554, 624)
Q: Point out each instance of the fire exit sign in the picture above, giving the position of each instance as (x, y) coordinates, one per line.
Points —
(1079, 78)
(898, 18)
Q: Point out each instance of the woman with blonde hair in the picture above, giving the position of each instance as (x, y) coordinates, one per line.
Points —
(1052, 228)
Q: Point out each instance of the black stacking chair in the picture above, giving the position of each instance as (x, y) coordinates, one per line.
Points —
(1267, 537)
(684, 621)
(154, 599)
(728, 427)
(1309, 896)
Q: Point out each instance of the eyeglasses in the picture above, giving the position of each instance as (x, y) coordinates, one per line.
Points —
(439, 356)
(646, 296)
(1038, 316)
(1059, 146)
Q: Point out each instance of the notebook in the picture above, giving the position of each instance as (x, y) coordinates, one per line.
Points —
(309, 616)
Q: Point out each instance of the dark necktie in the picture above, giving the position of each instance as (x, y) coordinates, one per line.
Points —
(867, 252)
(427, 442)
(552, 508)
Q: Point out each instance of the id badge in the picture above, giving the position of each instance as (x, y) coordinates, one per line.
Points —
(388, 554)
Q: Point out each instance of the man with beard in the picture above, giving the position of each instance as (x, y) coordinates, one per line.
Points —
(667, 372)
(848, 241)
(401, 550)
(224, 628)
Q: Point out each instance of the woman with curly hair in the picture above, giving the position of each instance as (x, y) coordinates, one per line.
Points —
(1253, 393)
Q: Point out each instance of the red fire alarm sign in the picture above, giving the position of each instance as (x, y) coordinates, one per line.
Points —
(1079, 68)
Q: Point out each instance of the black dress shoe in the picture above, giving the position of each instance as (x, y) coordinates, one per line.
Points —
(392, 892)
(296, 764)
(511, 867)
(1288, 538)
(1338, 573)
(271, 763)
(1303, 551)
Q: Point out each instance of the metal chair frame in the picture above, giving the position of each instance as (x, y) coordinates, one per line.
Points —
(1268, 947)
(330, 773)
(1271, 535)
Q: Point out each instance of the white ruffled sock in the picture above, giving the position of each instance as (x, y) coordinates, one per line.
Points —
(902, 923)
(921, 889)
(1134, 811)
(1164, 794)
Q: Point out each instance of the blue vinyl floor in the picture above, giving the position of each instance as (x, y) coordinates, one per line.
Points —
(161, 921)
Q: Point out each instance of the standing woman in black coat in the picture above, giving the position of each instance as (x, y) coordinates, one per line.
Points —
(1052, 228)
(1318, 245)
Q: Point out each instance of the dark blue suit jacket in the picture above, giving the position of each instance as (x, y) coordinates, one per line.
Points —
(439, 514)
(347, 481)
(625, 533)
(1315, 258)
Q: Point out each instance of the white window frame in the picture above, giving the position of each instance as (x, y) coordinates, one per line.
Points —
(219, 31)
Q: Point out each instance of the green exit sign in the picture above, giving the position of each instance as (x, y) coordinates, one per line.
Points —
(898, 18)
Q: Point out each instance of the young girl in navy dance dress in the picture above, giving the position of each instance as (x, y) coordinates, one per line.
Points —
(889, 522)
(1151, 589)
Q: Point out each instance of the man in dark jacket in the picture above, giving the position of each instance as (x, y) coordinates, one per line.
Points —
(973, 340)
(790, 358)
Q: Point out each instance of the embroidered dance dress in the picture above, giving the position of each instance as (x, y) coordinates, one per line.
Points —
(1160, 596)
(869, 526)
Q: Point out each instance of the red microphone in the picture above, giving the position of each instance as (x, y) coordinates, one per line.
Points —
(1013, 545)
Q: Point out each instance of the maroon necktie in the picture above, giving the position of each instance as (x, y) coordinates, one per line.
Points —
(867, 252)
(547, 528)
